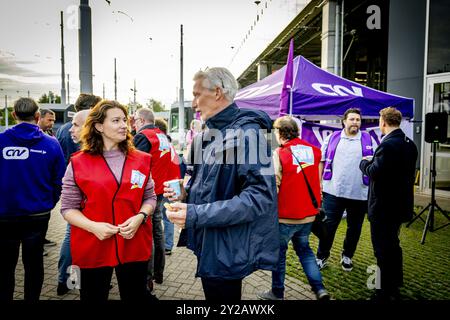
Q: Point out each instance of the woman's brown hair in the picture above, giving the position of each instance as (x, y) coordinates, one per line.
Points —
(287, 127)
(91, 139)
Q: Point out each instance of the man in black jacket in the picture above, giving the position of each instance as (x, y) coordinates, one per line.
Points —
(391, 199)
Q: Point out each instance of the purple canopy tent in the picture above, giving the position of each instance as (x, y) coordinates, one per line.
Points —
(318, 94)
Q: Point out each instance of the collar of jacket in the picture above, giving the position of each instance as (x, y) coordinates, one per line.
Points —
(393, 133)
(223, 118)
(147, 126)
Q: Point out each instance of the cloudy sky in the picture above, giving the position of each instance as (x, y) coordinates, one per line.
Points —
(144, 36)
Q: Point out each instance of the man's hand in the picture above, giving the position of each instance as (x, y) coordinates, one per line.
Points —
(176, 213)
(170, 194)
(103, 230)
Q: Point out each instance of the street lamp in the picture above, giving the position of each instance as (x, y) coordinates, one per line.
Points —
(6, 110)
(134, 91)
(134, 101)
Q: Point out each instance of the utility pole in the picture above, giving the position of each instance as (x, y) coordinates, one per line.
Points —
(63, 76)
(85, 47)
(68, 89)
(134, 100)
(181, 102)
(6, 111)
(28, 93)
(134, 90)
(103, 91)
(115, 80)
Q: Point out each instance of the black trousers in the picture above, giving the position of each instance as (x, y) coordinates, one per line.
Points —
(30, 232)
(334, 208)
(158, 259)
(131, 277)
(221, 290)
(387, 250)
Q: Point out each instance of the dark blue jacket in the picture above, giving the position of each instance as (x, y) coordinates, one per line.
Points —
(232, 218)
(392, 173)
(66, 141)
(31, 171)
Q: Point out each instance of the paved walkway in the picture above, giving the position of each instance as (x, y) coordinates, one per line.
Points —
(423, 199)
(179, 281)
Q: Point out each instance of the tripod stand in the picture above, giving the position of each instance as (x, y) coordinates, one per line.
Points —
(432, 206)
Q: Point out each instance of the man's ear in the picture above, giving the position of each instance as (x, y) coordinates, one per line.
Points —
(219, 93)
(14, 115)
(99, 127)
(37, 116)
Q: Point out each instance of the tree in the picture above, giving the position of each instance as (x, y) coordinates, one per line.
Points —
(54, 98)
(11, 120)
(133, 107)
(155, 105)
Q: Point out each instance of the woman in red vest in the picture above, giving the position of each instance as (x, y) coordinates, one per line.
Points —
(107, 196)
(296, 165)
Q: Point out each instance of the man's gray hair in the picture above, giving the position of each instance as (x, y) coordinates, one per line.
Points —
(219, 78)
(146, 114)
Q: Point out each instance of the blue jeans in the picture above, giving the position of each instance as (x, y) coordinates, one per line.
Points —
(299, 234)
(168, 228)
(65, 258)
(334, 208)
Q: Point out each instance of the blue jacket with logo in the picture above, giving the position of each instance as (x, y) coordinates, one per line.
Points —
(31, 170)
(232, 218)
(66, 142)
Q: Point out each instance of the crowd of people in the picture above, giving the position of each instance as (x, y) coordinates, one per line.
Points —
(238, 211)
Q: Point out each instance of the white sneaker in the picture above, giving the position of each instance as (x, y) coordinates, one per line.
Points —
(346, 263)
(267, 295)
(322, 263)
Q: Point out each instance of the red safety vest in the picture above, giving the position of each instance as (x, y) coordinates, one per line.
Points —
(107, 200)
(294, 201)
(165, 163)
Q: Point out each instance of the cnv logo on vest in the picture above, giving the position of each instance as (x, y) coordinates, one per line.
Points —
(15, 153)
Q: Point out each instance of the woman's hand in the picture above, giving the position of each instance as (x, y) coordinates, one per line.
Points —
(129, 228)
(103, 230)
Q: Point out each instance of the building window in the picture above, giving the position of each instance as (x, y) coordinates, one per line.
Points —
(441, 103)
(438, 37)
(365, 49)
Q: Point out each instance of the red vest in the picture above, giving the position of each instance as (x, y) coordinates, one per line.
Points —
(165, 163)
(294, 201)
(107, 200)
